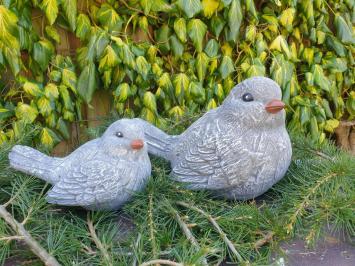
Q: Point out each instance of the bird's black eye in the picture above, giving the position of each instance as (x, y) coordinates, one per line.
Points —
(247, 97)
(119, 134)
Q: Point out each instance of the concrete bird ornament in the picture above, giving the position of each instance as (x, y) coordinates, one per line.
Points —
(102, 174)
(238, 150)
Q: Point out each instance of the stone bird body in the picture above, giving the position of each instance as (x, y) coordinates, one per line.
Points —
(238, 150)
(102, 174)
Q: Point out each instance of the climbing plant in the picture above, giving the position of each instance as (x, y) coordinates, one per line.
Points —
(161, 59)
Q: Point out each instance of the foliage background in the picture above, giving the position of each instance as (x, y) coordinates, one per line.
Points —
(189, 55)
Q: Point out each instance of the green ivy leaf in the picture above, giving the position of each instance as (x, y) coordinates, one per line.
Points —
(344, 33)
(109, 18)
(281, 45)
(250, 7)
(212, 48)
(83, 26)
(62, 127)
(180, 29)
(149, 101)
(211, 104)
(122, 92)
(190, 7)
(176, 46)
(217, 25)
(26, 113)
(32, 89)
(336, 45)
(146, 5)
(287, 17)
(181, 84)
(52, 33)
(42, 53)
(197, 30)
(69, 79)
(50, 8)
(142, 66)
(176, 112)
(109, 59)
(48, 137)
(87, 82)
(320, 79)
(335, 65)
(226, 67)
(256, 69)
(51, 91)
(235, 18)
(331, 124)
(197, 92)
(163, 35)
(70, 11)
(45, 106)
(64, 94)
(201, 65)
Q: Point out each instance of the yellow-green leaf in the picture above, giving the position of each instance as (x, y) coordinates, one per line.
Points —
(142, 67)
(48, 137)
(32, 89)
(201, 65)
(69, 79)
(287, 17)
(109, 59)
(209, 7)
(197, 30)
(44, 106)
(26, 112)
(149, 101)
(180, 29)
(50, 8)
(70, 11)
(122, 92)
(51, 91)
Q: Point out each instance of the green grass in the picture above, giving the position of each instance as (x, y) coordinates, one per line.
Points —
(317, 191)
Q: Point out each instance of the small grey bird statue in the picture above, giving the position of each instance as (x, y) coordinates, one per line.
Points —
(238, 150)
(102, 174)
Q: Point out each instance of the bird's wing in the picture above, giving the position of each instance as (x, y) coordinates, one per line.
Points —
(211, 156)
(91, 182)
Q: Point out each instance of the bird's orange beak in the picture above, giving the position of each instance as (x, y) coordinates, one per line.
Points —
(137, 144)
(274, 106)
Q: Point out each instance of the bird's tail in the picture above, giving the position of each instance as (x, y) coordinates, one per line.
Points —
(159, 143)
(33, 162)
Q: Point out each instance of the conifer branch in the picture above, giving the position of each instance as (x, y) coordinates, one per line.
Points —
(185, 229)
(97, 241)
(34, 246)
(151, 227)
(223, 235)
(305, 201)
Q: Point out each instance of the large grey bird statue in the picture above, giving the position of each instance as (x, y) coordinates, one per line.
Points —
(102, 174)
(238, 150)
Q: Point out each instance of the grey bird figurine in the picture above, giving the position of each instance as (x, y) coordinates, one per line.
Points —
(102, 174)
(238, 150)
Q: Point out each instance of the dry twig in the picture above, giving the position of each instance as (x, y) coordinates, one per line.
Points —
(97, 241)
(216, 226)
(164, 262)
(266, 239)
(34, 246)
